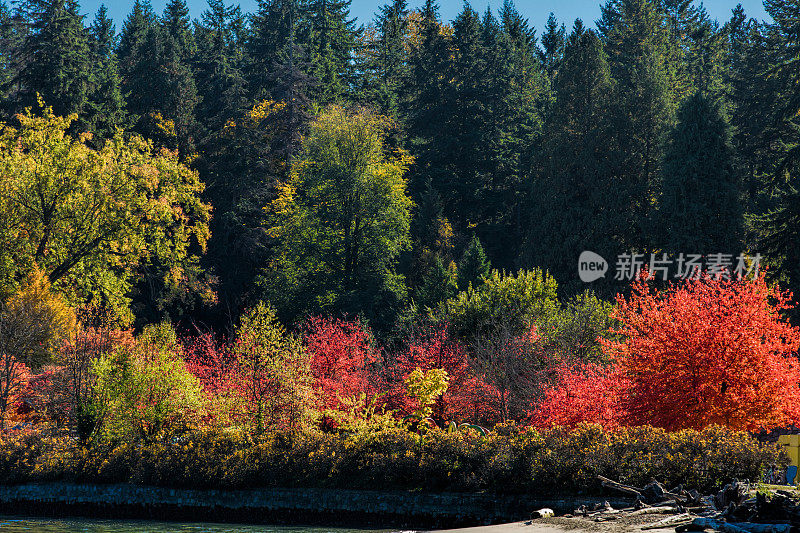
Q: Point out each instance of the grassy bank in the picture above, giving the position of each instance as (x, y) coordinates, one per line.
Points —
(508, 460)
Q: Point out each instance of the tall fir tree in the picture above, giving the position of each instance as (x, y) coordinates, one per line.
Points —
(273, 27)
(438, 285)
(516, 91)
(572, 196)
(699, 209)
(139, 21)
(56, 56)
(473, 266)
(637, 43)
(385, 69)
(331, 37)
(553, 41)
(13, 30)
(218, 67)
(779, 228)
(178, 25)
(105, 110)
(158, 85)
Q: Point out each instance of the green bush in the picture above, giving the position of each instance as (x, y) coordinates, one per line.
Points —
(508, 460)
(503, 300)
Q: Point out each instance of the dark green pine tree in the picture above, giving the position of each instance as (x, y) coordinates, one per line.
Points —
(331, 37)
(426, 88)
(438, 285)
(553, 41)
(139, 22)
(158, 85)
(178, 25)
(699, 209)
(105, 110)
(681, 20)
(218, 67)
(572, 198)
(473, 266)
(463, 162)
(386, 73)
(755, 100)
(706, 61)
(13, 30)
(779, 230)
(272, 27)
(57, 57)
(516, 91)
(638, 47)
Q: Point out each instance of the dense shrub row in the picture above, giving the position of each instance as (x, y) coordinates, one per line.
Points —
(508, 459)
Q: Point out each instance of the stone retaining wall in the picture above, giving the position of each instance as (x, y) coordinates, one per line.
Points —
(276, 506)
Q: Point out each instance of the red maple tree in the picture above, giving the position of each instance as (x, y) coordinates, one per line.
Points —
(708, 351)
(432, 347)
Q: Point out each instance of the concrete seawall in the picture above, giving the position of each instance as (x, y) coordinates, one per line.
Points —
(328, 507)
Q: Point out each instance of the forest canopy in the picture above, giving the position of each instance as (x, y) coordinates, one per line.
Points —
(382, 168)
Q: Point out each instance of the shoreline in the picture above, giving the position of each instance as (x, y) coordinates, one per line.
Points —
(328, 507)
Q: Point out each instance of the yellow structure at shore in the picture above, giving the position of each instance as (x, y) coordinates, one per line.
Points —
(791, 444)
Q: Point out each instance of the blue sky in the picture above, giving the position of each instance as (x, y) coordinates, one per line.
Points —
(536, 10)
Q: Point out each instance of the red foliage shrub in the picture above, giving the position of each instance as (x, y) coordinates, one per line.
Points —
(465, 397)
(342, 356)
(583, 393)
(211, 361)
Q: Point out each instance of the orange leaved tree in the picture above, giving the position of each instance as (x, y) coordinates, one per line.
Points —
(708, 351)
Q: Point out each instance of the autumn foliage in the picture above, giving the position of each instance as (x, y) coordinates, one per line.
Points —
(707, 351)
(342, 355)
(584, 392)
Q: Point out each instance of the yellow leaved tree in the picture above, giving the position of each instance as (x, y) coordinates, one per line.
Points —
(95, 220)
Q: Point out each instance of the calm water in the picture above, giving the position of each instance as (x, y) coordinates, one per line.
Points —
(80, 525)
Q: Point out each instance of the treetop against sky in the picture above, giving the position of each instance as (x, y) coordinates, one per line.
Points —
(536, 10)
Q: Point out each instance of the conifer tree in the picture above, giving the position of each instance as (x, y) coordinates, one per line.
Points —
(331, 40)
(699, 209)
(140, 20)
(158, 85)
(274, 39)
(178, 25)
(387, 68)
(637, 43)
(438, 285)
(218, 67)
(516, 91)
(779, 228)
(428, 59)
(553, 41)
(13, 31)
(105, 110)
(473, 266)
(572, 195)
(56, 55)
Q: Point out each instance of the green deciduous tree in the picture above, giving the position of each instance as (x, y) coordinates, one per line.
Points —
(505, 301)
(274, 370)
(92, 218)
(144, 390)
(342, 219)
